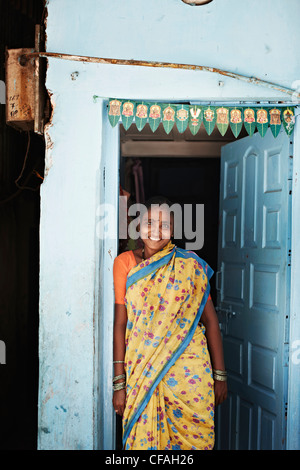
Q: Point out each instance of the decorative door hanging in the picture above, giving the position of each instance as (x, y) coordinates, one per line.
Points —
(184, 116)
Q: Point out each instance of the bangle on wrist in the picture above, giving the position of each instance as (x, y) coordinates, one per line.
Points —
(220, 378)
(119, 386)
(219, 372)
(220, 375)
(117, 377)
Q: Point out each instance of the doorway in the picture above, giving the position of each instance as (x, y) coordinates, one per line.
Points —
(182, 167)
(185, 169)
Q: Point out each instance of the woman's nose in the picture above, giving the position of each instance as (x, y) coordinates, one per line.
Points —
(154, 230)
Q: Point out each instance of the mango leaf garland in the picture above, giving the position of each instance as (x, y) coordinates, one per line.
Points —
(141, 115)
(236, 120)
(128, 109)
(288, 120)
(182, 117)
(168, 117)
(249, 120)
(209, 118)
(114, 111)
(222, 119)
(262, 121)
(275, 121)
(154, 116)
(185, 115)
(195, 119)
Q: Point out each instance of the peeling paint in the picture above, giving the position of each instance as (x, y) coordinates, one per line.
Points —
(48, 140)
(50, 394)
(48, 156)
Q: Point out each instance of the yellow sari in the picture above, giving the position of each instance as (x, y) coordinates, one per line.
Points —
(170, 394)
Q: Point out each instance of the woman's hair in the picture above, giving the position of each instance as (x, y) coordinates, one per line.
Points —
(157, 200)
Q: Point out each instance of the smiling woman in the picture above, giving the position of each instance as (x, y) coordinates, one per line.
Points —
(164, 386)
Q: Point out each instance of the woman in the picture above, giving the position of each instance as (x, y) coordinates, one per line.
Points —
(164, 386)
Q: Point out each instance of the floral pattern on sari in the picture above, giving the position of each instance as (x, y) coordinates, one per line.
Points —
(170, 391)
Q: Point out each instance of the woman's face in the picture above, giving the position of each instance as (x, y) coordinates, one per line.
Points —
(156, 228)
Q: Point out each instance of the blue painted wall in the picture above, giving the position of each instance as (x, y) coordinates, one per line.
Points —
(252, 38)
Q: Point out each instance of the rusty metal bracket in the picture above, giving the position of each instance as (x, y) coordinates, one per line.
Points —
(26, 96)
(143, 63)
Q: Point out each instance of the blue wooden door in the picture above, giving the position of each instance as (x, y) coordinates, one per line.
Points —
(253, 290)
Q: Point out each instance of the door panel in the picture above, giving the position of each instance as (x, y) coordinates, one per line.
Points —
(252, 284)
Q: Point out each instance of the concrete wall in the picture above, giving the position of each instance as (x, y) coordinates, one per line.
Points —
(253, 38)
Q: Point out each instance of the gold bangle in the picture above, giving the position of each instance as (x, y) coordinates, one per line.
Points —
(119, 386)
(220, 378)
(117, 377)
(118, 362)
(219, 372)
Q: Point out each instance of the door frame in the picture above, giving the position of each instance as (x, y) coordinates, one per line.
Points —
(108, 250)
(110, 166)
(293, 412)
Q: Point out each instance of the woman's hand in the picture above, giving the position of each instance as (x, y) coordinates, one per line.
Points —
(214, 342)
(220, 392)
(119, 398)
(120, 322)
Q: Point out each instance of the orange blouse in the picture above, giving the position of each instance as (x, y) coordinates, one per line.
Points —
(122, 265)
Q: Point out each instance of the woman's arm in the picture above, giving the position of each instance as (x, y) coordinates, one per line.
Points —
(214, 342)
(120, 322)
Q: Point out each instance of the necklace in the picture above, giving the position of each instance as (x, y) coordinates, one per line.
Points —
(143, 253)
